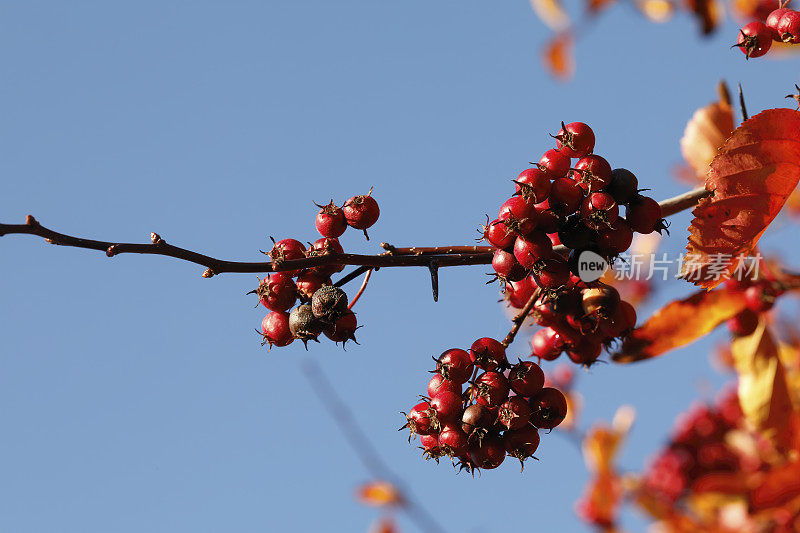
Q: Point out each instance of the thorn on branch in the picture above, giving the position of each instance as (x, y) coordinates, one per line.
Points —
(30, 221)
(745, 116)
(433, 266)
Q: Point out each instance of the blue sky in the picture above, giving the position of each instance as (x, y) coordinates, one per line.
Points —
(134, 394)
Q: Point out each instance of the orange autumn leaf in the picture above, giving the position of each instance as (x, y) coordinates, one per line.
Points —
(709, 14)
(552, 13)
(679, 323)
(706, 131)
(752, 176)
(384, 524)
(601, 444)
(764, 393)
(379, 493)
(558, 56)
(780, 485)
(595, 6)
(656, 10)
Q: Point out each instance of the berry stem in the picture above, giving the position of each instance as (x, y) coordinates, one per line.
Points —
(394, 257)
(520, 317)
(361, 289)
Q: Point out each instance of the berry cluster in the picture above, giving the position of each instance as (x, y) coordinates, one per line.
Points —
(781, 25)
(323, 306)
(577, 207)
(499, 414)
(698, 450)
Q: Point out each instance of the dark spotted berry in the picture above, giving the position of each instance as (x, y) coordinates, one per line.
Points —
(329, 303)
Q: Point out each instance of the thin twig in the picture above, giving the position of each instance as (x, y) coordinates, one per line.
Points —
(395, 257)
(745, 116)
(362, 447)
(361, 289)
(520, 317)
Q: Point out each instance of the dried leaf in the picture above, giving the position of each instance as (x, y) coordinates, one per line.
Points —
(379, 493)
(752, 176)
(558, 56)
(706, 131)
(552, 13)
(763, 390)
(656, 10)
(679, 323)
(709, 14)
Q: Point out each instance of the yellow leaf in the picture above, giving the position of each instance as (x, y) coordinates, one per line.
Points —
(706, 132)
(552, 13)
(379, 493)
(656, 10)
(558, 56)
(763, 391)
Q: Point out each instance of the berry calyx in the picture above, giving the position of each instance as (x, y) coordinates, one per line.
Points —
(533, 184)
(592, 172)
(499, 235)
(518, 215)
(755, 38)
(488, 354)
(419, 420)
(599, 210)
(514, 413)
(477, 421)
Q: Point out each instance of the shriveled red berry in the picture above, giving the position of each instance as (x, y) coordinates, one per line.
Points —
(521, 443)
(518, 215)
(488, 354)
(623, 185)
(643, 215)
(533, 184)
(788, 27)
(330, 221)
(287, 250)
(507, 267)
(490, 389)
(576, 139)
(455, 364)
(555, 163)
(532, 247)
(499, 235)
(343, 329)
(565, 196)
(277, 292)
(755, 38)
(549, 408)
(329, 303)
(439, 384)
(526, 378)
(599, 210)
(514, 413)
(275, 329)
(592, 172)
(547, 344)
(361, 212)
(489, 454)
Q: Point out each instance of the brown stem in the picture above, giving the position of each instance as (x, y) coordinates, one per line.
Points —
(442, 256)
(519, 319)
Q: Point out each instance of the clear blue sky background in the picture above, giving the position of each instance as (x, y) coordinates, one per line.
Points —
(134, 395)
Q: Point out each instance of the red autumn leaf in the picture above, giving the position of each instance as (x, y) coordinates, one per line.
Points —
(752, 176)
(780, 485)
(558, 56)
(379, 493)
(679, 323)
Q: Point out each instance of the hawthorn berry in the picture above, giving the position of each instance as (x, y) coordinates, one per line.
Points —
(287, 250)
(623, 185)
(304, 325)
(643, 215)
(430, 447)
(453, 441)
(489, 454)
(488, 354)
(361, 212)
(499, 235)
(477, 420)
(455, 364)
(788, 28)
(565, 196)
(446, 406)
(532, 248)
(277, 292)
(599, 210)
(521, 443)
(548, 221)
(574, 233)
(755, 38)
(744, 323)
(439, 384)
(586, 351)
(592, 173)
(575, 139)
(519, 292)
(275, 329)
(760, 297)
(546, 344)
(330, 221)
(552, 273)
(506, 266)
(419, 420)
(518, 215)
(310, 282)
(615, 239)
(600, 301)
(772, 21)
(526, 378)
(323, 247)
(514, 413)
(490, 389)
(329, 303)
(533, 184)
(343, 329)
(555, 163)
(549, 408)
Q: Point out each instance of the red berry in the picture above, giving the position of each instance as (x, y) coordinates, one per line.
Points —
(277, 291)
(548, 221)
(453, 441)
(489, 454)
(565, 196)
(533, 184)
(330, 221)
(755, 38)
(521, 443)
(623, 185)
(344, 329)
(447, 406)
(498, 235)
(643, 215)
(526, 378)
(743, 324)
(322, 247)
(575, 234)
(430, 447)
(549, 408)
(440, 384)
(552, 274)
(519, 292)
(506, 266)
(599, 210)
(275, 329)
(586, 351)
(490, 389)
(514, 413)
(592, 172)
(477, 421)
(488, 354)
(519, 215)
(772, 21)
(455, 364)
(361, 212)
(576, 139)
(615, 239)
(621, 322)
(309, 283)
(287, 250)
(601, 300)
(532, 247)
(420, 421)
(788, 28)
(759, 298)
(555, 163)
(547, 344)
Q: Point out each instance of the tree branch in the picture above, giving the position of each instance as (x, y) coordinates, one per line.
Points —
(441, 256)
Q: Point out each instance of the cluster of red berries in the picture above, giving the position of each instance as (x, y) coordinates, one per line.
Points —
(578, 208)
(500, 413)
(781, 25)
(698, 452)
(323, 306)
